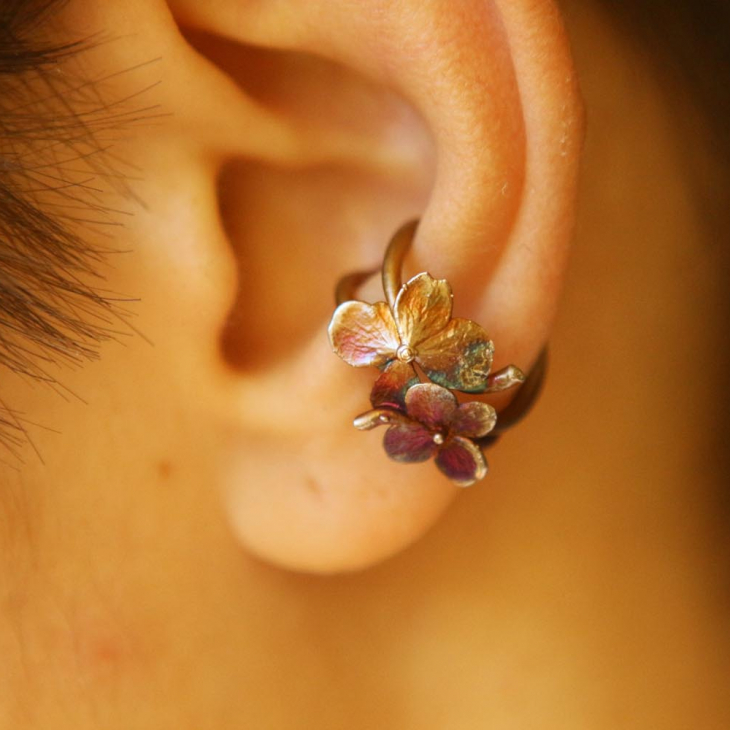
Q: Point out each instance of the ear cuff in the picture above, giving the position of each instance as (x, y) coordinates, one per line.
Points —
(424, 357)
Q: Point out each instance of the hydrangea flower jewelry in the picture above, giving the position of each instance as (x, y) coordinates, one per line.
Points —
(424, 354)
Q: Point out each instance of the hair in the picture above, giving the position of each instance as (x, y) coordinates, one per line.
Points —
(57, 131)
(42, 262)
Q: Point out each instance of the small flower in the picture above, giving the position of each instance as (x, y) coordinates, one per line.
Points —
(455, 353)
(432, 423)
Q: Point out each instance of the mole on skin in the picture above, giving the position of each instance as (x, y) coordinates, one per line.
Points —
(164, 469)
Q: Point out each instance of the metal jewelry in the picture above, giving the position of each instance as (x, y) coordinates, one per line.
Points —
(423, 355)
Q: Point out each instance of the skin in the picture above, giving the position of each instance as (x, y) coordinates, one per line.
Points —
(207, 543)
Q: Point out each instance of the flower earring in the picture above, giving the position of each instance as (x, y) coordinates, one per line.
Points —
(424, 354)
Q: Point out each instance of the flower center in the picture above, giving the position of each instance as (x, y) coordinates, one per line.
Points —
(438, 438)
(405, 354)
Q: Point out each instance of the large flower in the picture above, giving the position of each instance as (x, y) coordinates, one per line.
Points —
(430, 422)
(455, 353)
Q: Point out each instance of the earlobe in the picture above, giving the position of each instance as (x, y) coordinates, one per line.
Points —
(493, 85)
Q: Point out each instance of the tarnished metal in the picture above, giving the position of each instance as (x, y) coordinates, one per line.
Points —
(522, 402)
(504, 379)
(349, 284)
(393, 261)
(410, 336)
(456, 353)
(434, 424)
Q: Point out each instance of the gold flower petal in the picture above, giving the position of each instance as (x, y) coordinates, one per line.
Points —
(422, 308)
(458, 357)
(363, 334)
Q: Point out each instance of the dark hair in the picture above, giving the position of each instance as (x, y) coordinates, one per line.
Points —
(56, 171)
(42, 264)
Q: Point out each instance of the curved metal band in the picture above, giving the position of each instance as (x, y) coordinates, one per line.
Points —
(522, 403)
(393, 260)
(348, 285)
(395, 254)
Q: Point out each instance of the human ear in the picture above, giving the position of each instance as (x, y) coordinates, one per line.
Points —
(464, 114)
(333, 123)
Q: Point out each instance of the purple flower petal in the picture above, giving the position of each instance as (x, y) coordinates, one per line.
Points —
(409, 443)
(461, 461)
(473, 420)
(390, 388)
(431, 405)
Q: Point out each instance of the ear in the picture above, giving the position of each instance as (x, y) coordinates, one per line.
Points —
(464, 114)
